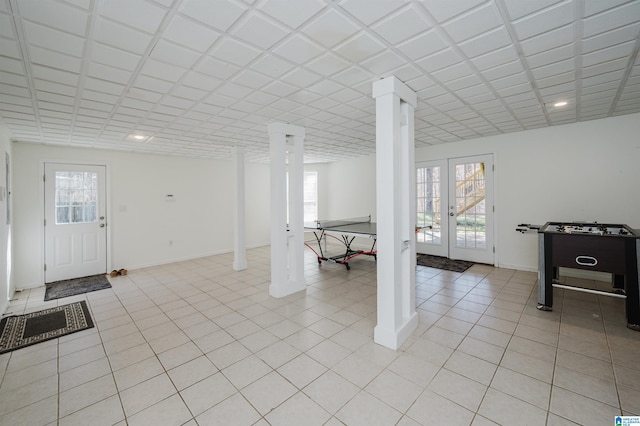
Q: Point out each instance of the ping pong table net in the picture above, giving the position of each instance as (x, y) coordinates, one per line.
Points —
(328, 224)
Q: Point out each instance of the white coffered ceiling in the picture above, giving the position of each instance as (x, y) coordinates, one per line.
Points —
(200, 76)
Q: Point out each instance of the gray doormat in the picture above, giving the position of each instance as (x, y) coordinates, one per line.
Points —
(443, 263)
(66, 288)
(19, 331)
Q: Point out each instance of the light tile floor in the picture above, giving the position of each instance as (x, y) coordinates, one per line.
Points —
(196, 343)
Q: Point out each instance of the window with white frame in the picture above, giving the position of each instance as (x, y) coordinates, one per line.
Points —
(310, 196)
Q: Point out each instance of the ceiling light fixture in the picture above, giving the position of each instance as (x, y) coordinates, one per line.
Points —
(560, 104)
(138, 137)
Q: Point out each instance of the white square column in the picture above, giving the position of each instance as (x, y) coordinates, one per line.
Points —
(287, 243)
(396, 212)
(239, 226)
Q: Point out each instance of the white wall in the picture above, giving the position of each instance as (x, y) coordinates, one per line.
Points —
(6, 281)
(352, 188)
(584, 171)
(141, 222)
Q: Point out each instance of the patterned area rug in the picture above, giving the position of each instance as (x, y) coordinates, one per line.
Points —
(443, 263)
(19, 331)
(66, 288)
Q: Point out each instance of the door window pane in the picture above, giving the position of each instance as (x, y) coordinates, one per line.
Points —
(470, 206)
(429, 205)
(76, 197)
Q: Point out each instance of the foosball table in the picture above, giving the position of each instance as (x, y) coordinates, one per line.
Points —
(598, 247)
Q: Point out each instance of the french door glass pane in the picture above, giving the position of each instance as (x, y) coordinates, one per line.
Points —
(470, 205)
(429, 205)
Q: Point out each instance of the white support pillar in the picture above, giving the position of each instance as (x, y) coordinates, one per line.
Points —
(239, 233)
(287, 245)
(396, 212)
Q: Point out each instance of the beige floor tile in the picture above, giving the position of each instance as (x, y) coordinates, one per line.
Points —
(580, 409)
(414, 369)
(358, 370)
(394, 390)
(170, 412)
(87, 394)
(83, 374)
(278, 354)
(105, 412)
(246, 371)
(507, 410)
(268, 392)
(366, 410)
(459, 389)
(586, 385)
(130, 356)
(328, 353)
(207, 393)
(302, 370)
(480, 349)
(28, 394)
(228, 355)
(523, 387)
(192, 372)
(233, 411)
(298, 410)
(331, 391)
(28, 375)
(471, 367)
(146, 394)
(431, 408)
(137, 373)
(43, 412)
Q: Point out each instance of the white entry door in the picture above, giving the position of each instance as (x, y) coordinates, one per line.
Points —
(455, 208)
(75, 221)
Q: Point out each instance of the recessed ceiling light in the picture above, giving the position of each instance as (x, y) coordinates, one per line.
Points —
(560, 104)
(139, 137)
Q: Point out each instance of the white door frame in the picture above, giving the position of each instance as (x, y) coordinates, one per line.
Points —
(41, 205)
(474, 255)
(441, 249)
(444, 163)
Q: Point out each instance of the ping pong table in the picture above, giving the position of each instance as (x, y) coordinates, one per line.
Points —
(344, 231)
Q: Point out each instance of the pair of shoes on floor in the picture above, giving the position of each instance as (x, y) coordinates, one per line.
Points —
(115, 273)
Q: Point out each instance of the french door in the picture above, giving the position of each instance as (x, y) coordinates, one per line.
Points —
(455, 208)
(75, 221)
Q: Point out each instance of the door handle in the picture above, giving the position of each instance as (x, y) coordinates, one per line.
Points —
(452, 214)
(102, 225)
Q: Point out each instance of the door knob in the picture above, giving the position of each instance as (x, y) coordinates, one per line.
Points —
(102, 225)
(452, 214)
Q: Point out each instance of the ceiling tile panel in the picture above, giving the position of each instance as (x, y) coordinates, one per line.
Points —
(272, 65)
(259, 31)
(473, 23)
(50, 38)
(401, 26)
(611, 19)
(298, 49)
(235, 52)
(53, 59)
(56, 15)
(440, 60)
(443, 10)
(203, 75)
(548, 19)
(518, 9)
(330, 28)
(139, 14)
(292, 14)
(423, 45)
(184, 31)
(496, 58)
(487, 42)
(121, 37)
(606, 55)
(549, 40)
(171, 53)
(359, 47)
(220, 15)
